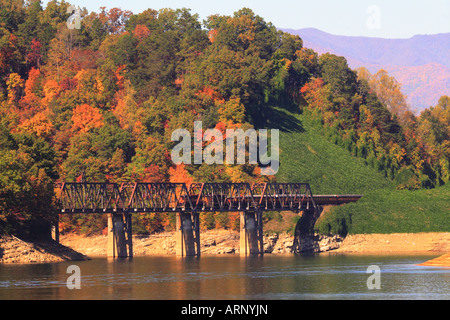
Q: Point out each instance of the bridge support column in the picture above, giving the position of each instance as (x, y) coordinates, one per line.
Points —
(55, 230)
(188, 235)
(119, 236)
(129, 234)
(304, 239)
(251, 235)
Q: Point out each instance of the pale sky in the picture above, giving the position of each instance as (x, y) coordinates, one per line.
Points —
(373, 18)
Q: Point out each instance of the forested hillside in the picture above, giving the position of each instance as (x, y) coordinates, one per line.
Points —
(100, 103)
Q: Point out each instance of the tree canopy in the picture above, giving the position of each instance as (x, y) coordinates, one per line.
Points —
(100, 103)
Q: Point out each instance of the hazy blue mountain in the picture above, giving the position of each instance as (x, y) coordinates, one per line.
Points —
(421, 63)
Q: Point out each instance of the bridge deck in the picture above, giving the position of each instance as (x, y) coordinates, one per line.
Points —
(99, 198)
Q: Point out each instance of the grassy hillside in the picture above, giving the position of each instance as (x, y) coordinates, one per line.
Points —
(391, 211)
(307, 156)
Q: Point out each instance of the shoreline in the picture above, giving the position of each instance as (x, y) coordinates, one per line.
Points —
(74, 247)
(433, 242)
(15, 250)
(220, 242)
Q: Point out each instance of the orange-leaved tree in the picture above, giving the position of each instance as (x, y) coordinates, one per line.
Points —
(85, 118)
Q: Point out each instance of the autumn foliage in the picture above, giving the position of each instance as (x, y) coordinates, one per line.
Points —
(85, 118)
(101, 103)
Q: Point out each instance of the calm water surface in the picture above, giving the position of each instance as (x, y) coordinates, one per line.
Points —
(272, 277)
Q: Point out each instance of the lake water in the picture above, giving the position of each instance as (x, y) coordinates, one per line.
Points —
(272, 277)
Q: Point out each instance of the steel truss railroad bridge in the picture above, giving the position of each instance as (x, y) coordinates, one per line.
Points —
(119, 201)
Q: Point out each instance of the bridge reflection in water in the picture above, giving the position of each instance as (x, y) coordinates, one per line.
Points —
(120, 201)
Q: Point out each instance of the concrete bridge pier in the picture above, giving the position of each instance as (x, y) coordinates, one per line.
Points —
(188, 234)
(120, 240)
(129, 234)
(55, 229)
(251, 233)
(304, 239)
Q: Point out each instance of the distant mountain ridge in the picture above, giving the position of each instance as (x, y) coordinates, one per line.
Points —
(421, 63)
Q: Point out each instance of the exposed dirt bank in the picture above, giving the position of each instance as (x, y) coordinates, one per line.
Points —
(396, 243)
(443, 261)
(75, 247)
(15, 250)
(227, 242)
(211, 242)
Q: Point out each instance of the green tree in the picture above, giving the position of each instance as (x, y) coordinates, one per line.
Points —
(336, 73)
(27, 171)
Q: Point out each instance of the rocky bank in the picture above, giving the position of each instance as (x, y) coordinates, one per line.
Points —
(211, 242)
(76, 247)
(442, 261)
(15, 250)
(438, 242)
(227, 242)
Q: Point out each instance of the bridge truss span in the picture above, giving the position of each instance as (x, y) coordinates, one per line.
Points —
(120, 201)
(102, 198)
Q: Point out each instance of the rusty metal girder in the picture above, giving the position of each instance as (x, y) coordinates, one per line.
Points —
(222, 197)
(283, 196)
(200, 197)
(92, 198)
(159, 197)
